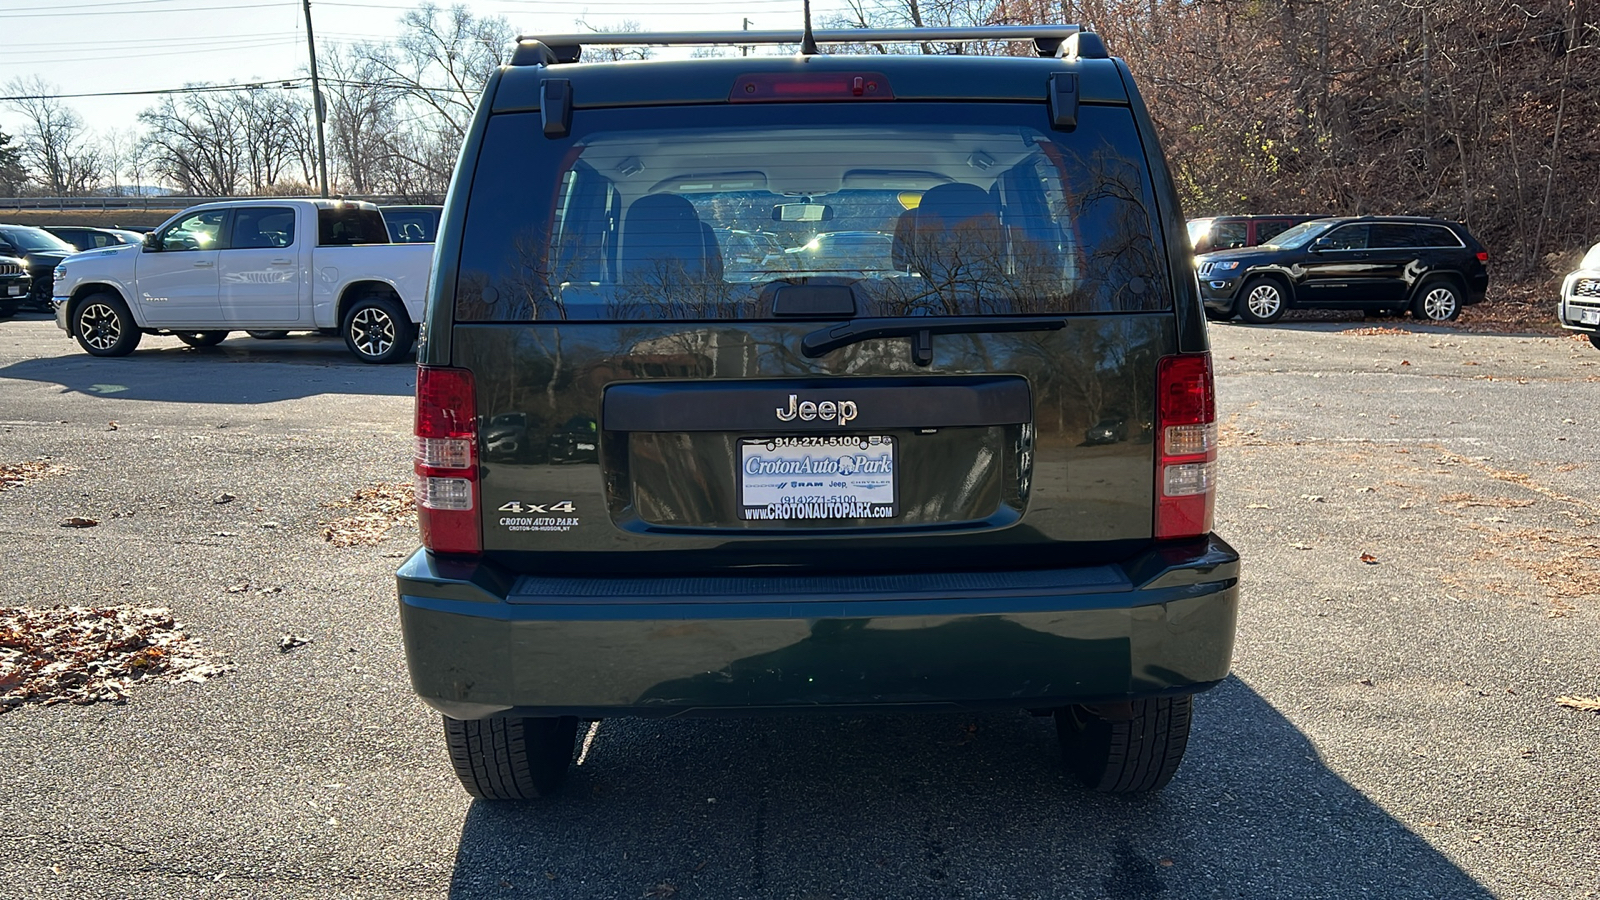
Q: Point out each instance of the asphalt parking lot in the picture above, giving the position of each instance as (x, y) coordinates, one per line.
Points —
(1421, 532)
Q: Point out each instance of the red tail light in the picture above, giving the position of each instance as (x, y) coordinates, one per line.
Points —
(1483, 256)
(1186, 446)
(767, 87)
(447, 461)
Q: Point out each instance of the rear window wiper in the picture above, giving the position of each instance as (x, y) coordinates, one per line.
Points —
(920, 329)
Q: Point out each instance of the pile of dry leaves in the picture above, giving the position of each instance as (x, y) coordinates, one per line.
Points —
(82, 655)
(373, 512)
(18, 474)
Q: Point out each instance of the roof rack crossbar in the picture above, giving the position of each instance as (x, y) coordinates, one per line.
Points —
(824, 36)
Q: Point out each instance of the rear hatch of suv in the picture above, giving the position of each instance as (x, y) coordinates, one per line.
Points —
(963, 352)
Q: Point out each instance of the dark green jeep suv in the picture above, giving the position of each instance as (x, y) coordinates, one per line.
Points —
(868, 475)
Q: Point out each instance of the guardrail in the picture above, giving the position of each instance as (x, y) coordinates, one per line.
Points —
(165, 201)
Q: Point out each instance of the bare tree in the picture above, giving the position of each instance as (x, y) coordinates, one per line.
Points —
(444, 59)
(55, 145)
(13, 176)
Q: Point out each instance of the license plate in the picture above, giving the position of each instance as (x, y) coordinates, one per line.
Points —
(1589, 316)
(820, 477)
(14, 290)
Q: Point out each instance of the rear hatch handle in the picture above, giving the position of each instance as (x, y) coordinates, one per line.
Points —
(920, 329)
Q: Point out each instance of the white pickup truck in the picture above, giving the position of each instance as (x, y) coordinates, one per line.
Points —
(251, 265)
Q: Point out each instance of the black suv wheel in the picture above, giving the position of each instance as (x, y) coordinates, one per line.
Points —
(1262, 302)
(511, 759)
(103, 326)
(1126, 750)
(1437, 301)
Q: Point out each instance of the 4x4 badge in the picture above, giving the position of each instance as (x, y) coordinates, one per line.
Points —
(828, 410)
(517, 506)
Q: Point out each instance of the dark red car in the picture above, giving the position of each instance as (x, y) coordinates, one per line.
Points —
(1232, 232)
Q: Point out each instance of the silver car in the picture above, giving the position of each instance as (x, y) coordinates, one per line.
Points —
(1580, 298)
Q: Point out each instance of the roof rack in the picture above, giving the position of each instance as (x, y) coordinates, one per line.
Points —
(1048, 40)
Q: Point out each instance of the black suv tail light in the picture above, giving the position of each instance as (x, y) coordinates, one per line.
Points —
(447, 461)
(1186, 446)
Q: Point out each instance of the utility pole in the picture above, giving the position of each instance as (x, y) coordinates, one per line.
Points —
(745, 50)
(316, 104)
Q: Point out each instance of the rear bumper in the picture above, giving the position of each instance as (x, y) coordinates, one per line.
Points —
(481, 642)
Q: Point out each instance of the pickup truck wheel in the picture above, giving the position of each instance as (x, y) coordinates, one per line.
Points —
(1128, 750)
(268, 335)
(377, 330)
(103, 326)
(1261, 302)
(201, 338)
(511, 759)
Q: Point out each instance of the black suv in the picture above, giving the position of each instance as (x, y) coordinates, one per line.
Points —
(1373, 263)
(15, 284)
(40, 252)
(976, 470)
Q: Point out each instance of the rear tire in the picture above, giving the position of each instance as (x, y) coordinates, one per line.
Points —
(1437, 301)
(377, 329)
(1261, 302)
(511, 759)
(201, 338)
(1130, 753)
(102, 326)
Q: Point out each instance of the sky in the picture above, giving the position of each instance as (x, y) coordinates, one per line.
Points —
(98, 46)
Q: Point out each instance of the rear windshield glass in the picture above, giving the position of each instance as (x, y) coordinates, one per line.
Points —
(344, 225)
(698, 212)
(412, 226)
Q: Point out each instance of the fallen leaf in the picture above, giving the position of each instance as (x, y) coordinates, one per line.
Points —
(79, 522)
(1369, 559)
(1313, 498)
(1299, 546)
(224, 498)
(1587, 704)
(290, 640)
(376, 510)
(83, 655)
(1258, 506)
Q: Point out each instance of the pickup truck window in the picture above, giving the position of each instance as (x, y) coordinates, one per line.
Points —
(262, 227)
(346, 225)
(194, 232)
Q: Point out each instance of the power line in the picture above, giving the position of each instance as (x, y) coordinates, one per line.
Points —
(209, 40)
(123, 12)
(191, 89)
(172, 52)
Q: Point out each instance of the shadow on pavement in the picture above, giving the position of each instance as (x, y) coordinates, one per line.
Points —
(943, 806)
(239, 370)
